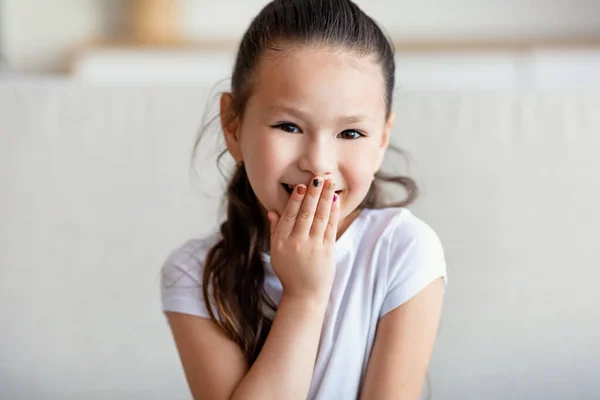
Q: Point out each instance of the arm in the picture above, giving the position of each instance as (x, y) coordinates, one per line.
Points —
(302, 256)
(403, 347)
(215, 367)
(285, 365)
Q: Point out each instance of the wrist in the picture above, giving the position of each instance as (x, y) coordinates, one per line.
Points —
(310, 302)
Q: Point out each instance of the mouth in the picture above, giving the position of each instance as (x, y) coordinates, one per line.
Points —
(290, 189)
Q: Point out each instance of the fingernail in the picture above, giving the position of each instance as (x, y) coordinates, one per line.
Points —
(316, 182)
(301, 189)
(335, 197)
(331, 185)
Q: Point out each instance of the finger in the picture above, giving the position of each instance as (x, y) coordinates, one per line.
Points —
(290, 214)
(306, 214)
(323, 209)
(330, 235)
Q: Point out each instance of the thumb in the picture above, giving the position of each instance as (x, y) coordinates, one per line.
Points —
(273, 218)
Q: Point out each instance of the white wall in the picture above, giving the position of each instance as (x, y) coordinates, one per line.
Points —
(95, 192)
(40, 35)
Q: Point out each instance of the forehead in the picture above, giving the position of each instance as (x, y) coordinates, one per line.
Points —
(321, 80)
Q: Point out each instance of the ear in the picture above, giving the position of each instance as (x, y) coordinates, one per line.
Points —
(387, 130)
(230, 126)
(385, 138)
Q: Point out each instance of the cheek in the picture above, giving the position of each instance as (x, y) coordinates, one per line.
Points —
(264, 154)
(360, 162)
(265, 160)
(358, 170)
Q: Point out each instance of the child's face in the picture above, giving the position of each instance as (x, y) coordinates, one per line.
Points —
(305, 119)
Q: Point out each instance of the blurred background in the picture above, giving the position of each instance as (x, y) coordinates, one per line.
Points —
(488, 43)
(100, 103)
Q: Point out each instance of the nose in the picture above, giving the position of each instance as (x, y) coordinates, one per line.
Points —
(318, 157)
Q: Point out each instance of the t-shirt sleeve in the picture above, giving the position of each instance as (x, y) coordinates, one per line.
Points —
(415, 259)
(181, 281)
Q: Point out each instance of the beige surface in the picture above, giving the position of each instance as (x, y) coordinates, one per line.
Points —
(95, 192)
(41, 35)
(152, 21)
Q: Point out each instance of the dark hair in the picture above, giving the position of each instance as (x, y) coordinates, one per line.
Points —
(234, 269)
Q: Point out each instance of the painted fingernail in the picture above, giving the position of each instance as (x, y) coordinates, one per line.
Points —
(335, 197)
(331, 185)
(316, 182)
(301, 189)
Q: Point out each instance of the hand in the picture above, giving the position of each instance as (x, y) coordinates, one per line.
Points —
(303, 238)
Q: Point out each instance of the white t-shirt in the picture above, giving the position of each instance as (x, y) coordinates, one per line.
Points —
(384, 258)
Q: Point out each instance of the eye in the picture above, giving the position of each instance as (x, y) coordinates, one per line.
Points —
(287, 127)
(354, 134)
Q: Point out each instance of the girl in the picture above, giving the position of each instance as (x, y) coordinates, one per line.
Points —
(311, 288)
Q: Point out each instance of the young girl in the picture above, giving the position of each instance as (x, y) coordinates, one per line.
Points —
(311, 288)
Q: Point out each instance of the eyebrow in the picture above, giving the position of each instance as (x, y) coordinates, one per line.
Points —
(347, 119)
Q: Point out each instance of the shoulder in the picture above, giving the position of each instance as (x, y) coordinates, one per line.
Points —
(182, 275)
(398, 228)
(412, 255)
(185, 263)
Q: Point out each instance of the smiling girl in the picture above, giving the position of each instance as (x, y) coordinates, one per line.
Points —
(312, 288)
